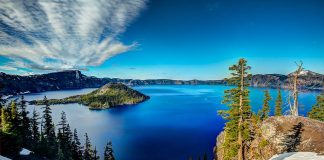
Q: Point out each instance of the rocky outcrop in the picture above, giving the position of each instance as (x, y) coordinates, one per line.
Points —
(280, 133)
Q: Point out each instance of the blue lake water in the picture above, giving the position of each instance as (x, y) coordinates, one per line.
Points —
(177, 122)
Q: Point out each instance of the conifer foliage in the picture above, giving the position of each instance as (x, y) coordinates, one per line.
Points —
(109, 153)
(38, 134)
(278, 106)
(317, 111)
(237, 129)
(266, 107)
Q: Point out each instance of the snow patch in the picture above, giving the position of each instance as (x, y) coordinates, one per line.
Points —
(298, 156)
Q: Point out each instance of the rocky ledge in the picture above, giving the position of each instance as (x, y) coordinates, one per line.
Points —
(278, 133)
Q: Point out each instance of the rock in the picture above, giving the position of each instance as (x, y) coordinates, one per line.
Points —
(275, 137)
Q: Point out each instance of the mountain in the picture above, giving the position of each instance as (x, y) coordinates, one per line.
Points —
(308, 80)
(74, 79)
(107, 96)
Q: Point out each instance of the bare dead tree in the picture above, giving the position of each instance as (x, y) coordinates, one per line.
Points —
(293, 96)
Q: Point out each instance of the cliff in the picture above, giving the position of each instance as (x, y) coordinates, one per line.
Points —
(308, 80)
(281, 133)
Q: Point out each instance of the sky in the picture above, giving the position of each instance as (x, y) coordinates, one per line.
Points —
(142, 39)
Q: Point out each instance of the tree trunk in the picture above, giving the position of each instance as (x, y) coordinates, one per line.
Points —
(240, 139)
(295, 94)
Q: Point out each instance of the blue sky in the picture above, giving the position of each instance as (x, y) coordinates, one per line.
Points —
(199, 39)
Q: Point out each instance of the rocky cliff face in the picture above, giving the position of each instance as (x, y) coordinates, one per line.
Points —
(280, 133)
(308, 80)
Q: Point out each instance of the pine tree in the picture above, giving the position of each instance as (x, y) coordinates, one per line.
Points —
(317, 111)
(237, 129)
(34, 129)
(278, 107)
(76, 147)
(14, 120)
(109, 153)
(24, 127)
(266, 108)
(60, 155)
(48, 132)
(88, 152)
(5, 124)
(95, 156)
(65, 137)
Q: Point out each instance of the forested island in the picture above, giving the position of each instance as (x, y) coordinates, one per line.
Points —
(107, 96)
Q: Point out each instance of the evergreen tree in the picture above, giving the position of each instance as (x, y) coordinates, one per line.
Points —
(109, 153)
(14, 120)
(278, 107)
(60, 155)
(48, 133)
(24, 127)
(317, 111)
(88, 152)
(34, 130)
(5, 124)
(266, 108)
(237, 129)
(65, 137)
(76, 147)
(95, 156)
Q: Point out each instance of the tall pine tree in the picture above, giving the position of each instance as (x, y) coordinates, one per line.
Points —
(317, 111)
(34, 122)
(278, 106)
(76, 147)
(237, 129)
(65, 137)
(109, 153)
(88, 153)
(48, 133)
(266, 107)
(24, 128)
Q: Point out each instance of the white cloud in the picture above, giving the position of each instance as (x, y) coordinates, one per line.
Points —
(56, 35)
(8, 68)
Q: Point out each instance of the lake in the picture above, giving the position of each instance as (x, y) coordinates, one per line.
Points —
(178, 121)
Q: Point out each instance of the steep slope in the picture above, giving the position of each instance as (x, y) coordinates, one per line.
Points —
(308, 80)
(280, 132)
(107, 96)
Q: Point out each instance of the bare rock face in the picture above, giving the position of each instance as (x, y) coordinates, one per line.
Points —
(281, 134)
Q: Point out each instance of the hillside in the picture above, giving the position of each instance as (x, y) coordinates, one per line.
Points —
(308, 80)
(107, 96)
(276, 136)
(74, 79)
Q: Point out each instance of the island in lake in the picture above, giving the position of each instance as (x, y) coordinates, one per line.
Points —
(107, 96)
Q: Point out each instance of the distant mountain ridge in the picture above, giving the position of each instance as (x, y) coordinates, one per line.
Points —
(74, 79)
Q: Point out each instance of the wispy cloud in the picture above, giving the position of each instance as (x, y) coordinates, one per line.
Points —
(64, 34)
